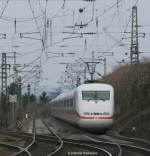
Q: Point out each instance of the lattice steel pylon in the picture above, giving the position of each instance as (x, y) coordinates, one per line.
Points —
(4, 97)
(4, 74)
(3, 91)
(134, 53)
(134, 71)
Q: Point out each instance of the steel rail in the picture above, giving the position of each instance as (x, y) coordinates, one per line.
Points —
(26, 149)
(13, 146)
(53, 139)
(58, 137)
(91, 146)
(76, 142)
(135, 147)
(47, 139)
(79, 144)
(133, 140)
(136, 140)
(64, 140)
(123, 145)
(106, 142)
(28, 135)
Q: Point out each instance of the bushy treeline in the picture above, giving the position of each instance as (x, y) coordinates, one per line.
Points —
(132, 87)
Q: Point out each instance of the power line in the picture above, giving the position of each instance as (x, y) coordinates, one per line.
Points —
(36, 22)
(5, 7)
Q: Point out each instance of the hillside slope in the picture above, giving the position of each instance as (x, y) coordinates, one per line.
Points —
(132, 99)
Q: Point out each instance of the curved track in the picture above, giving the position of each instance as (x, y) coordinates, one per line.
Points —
(132, 143)
(127, 144)
(86, 144)
(106, 145)
(60, 141)
(26, 149)
(116, 145)
(21, 149)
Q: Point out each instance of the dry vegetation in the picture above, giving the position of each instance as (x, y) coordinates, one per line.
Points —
(132, 98)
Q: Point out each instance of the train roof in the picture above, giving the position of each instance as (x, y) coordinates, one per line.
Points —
(64, 94)
(94, 86)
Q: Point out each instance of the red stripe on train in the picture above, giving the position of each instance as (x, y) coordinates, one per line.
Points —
(92, 117)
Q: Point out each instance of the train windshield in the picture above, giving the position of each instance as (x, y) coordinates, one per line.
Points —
(96, 95)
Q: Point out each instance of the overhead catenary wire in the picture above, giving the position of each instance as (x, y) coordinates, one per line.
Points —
(4, 9)
(35, 18)
(60, 40)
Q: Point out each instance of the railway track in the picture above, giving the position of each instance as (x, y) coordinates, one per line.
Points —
(31, 148)
(52, 144)
(126, 148)
(138, 142)
(139, 145)
(18, 148)
(119, 145)
(12, 148)
(75, 145)
(81, 148)
(59, 146)
(26, 149)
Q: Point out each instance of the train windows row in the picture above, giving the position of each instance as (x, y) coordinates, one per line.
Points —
(69, 102)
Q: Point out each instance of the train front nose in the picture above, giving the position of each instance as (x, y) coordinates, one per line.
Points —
(96, 108)
(95, 122)
(96, 115)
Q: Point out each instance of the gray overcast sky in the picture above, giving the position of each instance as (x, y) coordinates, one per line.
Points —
(30, 16)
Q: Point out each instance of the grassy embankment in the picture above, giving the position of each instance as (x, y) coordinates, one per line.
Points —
(132, 99)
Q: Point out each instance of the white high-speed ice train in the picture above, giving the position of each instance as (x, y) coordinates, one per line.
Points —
(89, 106)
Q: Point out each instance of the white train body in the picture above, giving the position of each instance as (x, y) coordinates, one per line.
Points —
(89, 106)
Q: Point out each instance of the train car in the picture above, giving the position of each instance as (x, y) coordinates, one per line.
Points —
(89, 106)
